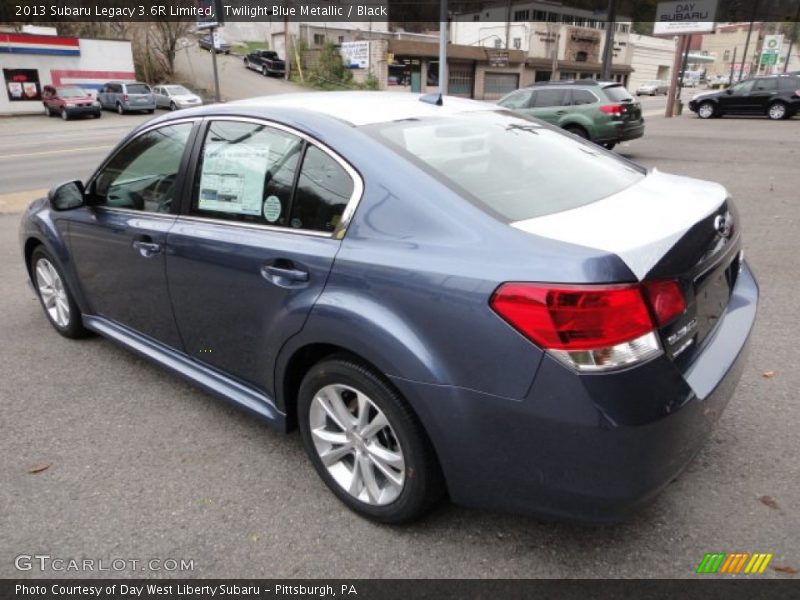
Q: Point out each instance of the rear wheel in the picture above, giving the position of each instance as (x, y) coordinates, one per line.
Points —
(609, 145)
(120, 110)
(56, 299)
(706, 110)
(366, 443)
(777, 111)
(579, 131)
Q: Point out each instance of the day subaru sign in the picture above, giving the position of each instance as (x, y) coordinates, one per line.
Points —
(673, 18)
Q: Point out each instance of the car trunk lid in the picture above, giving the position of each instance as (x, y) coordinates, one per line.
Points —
(664, 227)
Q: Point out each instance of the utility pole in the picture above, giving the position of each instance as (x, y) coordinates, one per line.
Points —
(608, 50)
(747, 40)
(791, 39)
(214, 62)
(733, 66)
(443, 33)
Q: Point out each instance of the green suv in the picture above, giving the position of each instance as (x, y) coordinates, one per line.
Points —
(603, 112)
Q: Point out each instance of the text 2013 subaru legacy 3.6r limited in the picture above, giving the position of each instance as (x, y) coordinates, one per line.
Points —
(445, 297)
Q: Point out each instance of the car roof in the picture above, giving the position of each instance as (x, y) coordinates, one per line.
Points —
(366, 108)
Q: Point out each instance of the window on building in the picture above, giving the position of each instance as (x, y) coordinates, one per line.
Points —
(539, 15)
(319, 39)
(726, 56)
(517, 43)
(581, 56)
(522, 15)
(552, 17)
(341, 39)
(476, 17)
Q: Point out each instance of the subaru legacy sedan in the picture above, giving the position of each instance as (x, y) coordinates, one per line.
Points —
(445, 297)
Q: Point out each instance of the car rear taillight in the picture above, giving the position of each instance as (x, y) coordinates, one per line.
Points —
(591, 327)
(797, 93)
(613, 109)
(666, 300)
(124, 97)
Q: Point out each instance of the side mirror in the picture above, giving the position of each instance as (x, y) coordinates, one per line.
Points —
(67, 195)
(729, 91)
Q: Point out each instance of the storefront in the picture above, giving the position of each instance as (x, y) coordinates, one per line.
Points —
(29, 62)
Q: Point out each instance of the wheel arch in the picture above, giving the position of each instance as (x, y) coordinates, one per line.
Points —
(574, 123)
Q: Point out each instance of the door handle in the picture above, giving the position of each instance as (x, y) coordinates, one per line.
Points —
(561, 113)
(286, 275)
(147, 247)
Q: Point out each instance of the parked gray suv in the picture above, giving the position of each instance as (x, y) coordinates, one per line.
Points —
(127, 96)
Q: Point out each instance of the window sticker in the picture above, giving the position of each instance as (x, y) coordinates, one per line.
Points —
(232, 180)
(272, 208)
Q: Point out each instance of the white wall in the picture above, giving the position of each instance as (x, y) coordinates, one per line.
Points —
(647, 54)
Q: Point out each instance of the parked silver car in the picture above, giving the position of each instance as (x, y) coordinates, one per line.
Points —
(653, 88)
(125, 96)
(174, 97)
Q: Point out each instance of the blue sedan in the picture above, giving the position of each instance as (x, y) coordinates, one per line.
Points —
(446, 298)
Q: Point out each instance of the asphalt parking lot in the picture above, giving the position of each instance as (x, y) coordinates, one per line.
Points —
(135, 464)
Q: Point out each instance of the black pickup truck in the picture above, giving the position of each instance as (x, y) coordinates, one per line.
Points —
(266, 62)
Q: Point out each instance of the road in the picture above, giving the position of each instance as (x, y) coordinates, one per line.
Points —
(194, 66)
(142, 465)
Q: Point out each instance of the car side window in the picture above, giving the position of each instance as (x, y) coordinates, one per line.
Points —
(323, 190)
(744, 87)
(582, 97)
(766, 85)
(789, 84)
(520, 99)
(142, 176)
(547, 98)
(247, 173)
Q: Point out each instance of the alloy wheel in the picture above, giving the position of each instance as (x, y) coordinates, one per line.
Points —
(51, 289)
(706, 110)
(357, 445)
(777, 111)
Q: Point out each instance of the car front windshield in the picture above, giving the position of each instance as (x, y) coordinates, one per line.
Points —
(71, 92)
(177, 90)
(515, 168)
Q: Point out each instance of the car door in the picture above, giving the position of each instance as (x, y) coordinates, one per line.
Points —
(158, 94)
(735, 100)
(118, 241)
(253, 250)
(764, 90)
(548, 105)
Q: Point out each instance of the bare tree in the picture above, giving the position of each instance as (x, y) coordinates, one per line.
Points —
(163, 39)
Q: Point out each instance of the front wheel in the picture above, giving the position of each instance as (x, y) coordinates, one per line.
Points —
(64, 114)
(777, 111)
(56, 299)
(173, 106)
(706, 110)
(366, 443)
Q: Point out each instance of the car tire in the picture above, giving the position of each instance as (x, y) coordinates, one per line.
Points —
(47, 111)
(64, 114)
(777, 111)
(151, 111)
(173, 106)
(609, 145)
(264, 71)
(576, 130)
(97, 115)
(54, 295)
(120, 110)
(706, 110)
(379, 460)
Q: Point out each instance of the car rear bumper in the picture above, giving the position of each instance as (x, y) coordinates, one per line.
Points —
(151, 106)
(590, 447)
(621, 132)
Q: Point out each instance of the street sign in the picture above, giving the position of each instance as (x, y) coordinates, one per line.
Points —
(674, 18)
(209, 14)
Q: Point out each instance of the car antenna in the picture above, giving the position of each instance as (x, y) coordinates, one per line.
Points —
(432, 99)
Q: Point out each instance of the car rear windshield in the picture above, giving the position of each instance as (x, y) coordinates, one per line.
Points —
(618, 93)
(138, 88)
(515, 168)
(71, 92)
